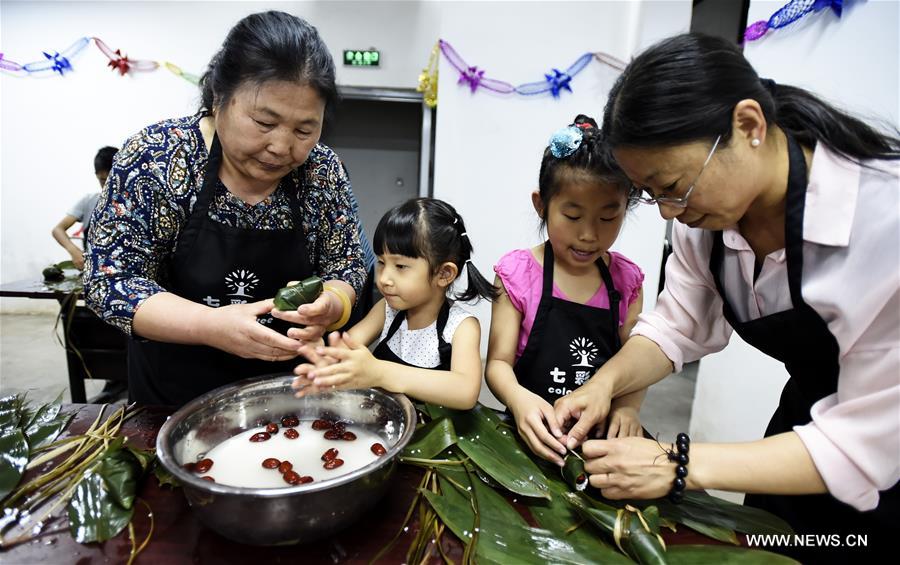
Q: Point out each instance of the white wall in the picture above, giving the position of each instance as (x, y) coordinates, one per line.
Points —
(50, 128)
(854, 62)
(488, 147)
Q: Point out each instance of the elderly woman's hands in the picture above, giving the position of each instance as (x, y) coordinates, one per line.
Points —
(327, 309)
(235, 329)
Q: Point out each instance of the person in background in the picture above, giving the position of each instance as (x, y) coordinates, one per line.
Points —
(82, 210)
(787, 232)
(205, 217)
(568, 304)
(428, 344)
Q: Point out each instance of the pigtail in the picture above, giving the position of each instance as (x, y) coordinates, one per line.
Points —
(478, 287)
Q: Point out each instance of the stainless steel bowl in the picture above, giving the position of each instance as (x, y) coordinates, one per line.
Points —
(293, 514)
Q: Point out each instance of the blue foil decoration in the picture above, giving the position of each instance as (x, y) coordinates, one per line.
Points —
(565, 141)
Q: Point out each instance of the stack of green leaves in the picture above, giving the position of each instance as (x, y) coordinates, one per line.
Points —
(93, 474)
(474, 463)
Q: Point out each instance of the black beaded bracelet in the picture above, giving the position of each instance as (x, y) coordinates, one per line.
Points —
(679, 455)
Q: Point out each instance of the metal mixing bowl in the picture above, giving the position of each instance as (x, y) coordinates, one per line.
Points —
(293, 514)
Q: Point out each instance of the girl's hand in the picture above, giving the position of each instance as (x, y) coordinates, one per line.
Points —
(587, 406)
(624, 421)
(534, 416)
(629, 467)
(234, 329)
(353, 366)
(303, 384)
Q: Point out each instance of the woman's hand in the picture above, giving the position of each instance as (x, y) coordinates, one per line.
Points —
(235, 329)
(537, 424)
(628, 467)
(344, 365)
(624, 421)
(316, 316)
(587, 406)
(77, 259)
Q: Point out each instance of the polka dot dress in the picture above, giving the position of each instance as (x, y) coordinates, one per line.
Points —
(420, 347)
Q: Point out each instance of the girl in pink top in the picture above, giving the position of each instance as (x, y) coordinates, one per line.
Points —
(566, 305)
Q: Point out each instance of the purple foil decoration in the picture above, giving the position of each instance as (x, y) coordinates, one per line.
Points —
(8, 65)
(472, 75)
(790, 13)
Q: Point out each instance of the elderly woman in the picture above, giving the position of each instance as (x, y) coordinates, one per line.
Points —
(205, 217)
(788, 233)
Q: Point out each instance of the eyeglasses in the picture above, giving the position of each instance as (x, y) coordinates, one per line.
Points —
(641, 195)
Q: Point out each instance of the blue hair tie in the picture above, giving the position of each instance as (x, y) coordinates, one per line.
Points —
(565, 141)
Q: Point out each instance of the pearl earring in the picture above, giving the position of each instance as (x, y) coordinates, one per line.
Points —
(755, 142)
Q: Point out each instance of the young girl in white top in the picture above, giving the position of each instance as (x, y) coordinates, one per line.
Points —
(428, 344)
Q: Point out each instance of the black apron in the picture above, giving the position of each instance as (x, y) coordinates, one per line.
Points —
(445, 350)
(801, 340)
(216, 265)
(568, 341)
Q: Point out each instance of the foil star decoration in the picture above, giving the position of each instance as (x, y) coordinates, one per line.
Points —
(58, 63)
(558, 81)
(471, 76)
(120, 63)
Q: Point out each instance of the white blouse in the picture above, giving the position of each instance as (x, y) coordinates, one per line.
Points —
(420, 347)
(851, 277)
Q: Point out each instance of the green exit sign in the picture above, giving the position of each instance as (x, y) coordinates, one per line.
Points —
(360, 58)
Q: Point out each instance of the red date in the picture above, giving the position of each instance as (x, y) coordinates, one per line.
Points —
(305, 479)
(291, 478)
(271, 463)
(203, 466)
(208, 478)
(333, 464)
(339, 427)
(291, 433)
(348, 436)
(332, 434)
(290, 421)
(378, 449)
(330, 454)
(190, 467)
(284, 467)
(272, 428)
(320, 425)
(260, 436)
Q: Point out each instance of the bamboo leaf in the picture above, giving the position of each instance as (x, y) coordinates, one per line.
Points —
(431, 439)
(13, 458)
(145, 457)
(499, 542)
(719, 533)
(120, 470)
(634, 539)
(723, 555)
(46, 424)
(10, 412)
(94, 514)
(702, 508)
(103, 502)
(164, 477)
(497, 452)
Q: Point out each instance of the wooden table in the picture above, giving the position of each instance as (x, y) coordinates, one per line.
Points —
(179, 537)
(101, 346)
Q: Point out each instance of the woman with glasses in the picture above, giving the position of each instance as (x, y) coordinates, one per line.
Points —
(787, 232)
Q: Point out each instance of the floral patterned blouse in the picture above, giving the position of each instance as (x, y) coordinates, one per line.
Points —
(149, 196)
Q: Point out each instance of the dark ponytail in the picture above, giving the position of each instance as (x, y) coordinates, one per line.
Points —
(432, 229)
(269, 46)
(685, 88)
